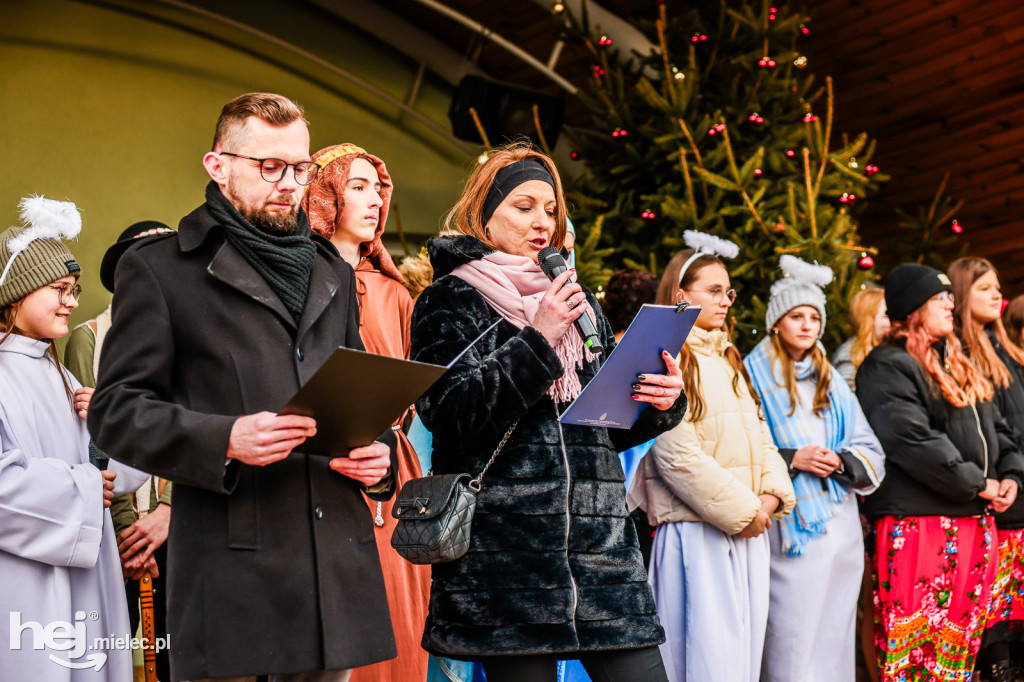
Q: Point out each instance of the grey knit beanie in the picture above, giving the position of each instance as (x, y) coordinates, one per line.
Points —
(33, 256)
(802, 285)
(43, 261)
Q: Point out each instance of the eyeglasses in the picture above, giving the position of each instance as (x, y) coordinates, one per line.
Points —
(272, 170)
(717, 294)
(66, 292)
(943, 297)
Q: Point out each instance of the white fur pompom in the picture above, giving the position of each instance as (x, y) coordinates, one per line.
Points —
(46, 218)
(801, 271)
(708, 243)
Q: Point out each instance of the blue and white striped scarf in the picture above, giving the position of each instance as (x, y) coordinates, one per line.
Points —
(815, 504)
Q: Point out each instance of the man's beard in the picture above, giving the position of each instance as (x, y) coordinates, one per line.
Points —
(262, 219)
(280, 223)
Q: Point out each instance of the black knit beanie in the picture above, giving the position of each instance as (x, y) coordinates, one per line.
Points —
(909, 286)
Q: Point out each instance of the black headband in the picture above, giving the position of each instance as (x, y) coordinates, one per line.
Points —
(510, 177)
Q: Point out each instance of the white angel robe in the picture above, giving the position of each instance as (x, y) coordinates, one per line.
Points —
(62, 600)
(813, 597)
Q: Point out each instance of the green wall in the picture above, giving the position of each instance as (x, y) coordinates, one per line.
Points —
(113, 107)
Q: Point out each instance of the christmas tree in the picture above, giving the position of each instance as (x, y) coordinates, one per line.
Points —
(720, 130)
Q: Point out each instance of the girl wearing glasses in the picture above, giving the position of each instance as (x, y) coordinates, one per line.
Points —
(58, 553)
(951, 461)
(711, 486)
(818, 551)
(976, 316)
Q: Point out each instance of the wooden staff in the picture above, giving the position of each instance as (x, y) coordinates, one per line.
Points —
(148, 627)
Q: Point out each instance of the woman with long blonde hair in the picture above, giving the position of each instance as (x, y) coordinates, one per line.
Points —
(712, 487)
(978, 305)
(817, 552)
(869, 324)
(950, 462)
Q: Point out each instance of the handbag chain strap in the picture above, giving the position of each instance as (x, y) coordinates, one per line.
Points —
(474, 485)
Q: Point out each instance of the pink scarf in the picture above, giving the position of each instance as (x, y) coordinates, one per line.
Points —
(513, 286)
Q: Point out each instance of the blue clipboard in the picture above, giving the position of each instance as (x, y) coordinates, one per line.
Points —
(607, 401)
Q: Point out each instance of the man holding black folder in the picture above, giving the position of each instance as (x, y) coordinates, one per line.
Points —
(273, 567)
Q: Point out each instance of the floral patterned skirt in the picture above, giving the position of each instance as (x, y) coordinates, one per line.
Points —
(1006, 615)
(932, 591)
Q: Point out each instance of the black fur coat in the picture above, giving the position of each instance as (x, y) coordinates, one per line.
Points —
(553, 565)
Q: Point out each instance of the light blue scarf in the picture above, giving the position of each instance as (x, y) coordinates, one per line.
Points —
(815, 504)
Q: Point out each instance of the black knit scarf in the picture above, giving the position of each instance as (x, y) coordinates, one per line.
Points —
(283, 260)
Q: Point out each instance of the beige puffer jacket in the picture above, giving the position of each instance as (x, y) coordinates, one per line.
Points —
(713, 470)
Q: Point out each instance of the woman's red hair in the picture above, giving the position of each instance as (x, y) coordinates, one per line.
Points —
(962, 383)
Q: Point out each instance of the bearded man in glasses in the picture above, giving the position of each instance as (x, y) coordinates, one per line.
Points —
(273, 567)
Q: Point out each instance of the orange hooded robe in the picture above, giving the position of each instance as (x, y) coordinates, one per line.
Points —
(385, 312)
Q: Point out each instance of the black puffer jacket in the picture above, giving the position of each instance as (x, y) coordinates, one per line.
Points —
(553, 564)
(937, 456)
(1010, 401)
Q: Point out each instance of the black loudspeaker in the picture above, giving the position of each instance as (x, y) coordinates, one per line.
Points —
(505, 111)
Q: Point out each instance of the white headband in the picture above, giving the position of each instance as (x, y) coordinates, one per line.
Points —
(706, 245)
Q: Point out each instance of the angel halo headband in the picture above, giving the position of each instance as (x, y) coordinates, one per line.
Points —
(706, 245)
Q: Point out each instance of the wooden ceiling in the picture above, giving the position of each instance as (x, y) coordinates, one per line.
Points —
(938, 83)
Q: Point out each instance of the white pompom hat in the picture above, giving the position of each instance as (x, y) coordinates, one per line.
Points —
(801, 285)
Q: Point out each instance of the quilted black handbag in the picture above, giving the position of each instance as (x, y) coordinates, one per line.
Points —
(435, 514)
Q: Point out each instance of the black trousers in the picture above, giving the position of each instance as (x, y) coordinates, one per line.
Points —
(630, 665)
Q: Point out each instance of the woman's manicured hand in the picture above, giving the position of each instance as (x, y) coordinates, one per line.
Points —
(660, 390)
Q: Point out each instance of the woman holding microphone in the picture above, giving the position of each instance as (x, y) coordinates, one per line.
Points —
(553, 568)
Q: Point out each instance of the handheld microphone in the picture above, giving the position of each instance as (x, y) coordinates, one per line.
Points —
(553, 265)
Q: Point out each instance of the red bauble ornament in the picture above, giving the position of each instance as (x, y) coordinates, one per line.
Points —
(810, 118)
(805, 30)
(604, 41)
(698, 37)
(779, 227)
(772, 10)
(790, 153)
(648, 215)
(865, 262)
(575, 156)
(870, 170)
(598, 70)
(847, 198)
(956, 227)
(756, 118)
(717, 129)
(763, 62)
(758, 172)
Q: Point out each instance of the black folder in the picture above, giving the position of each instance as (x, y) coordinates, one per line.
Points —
(356, 395)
